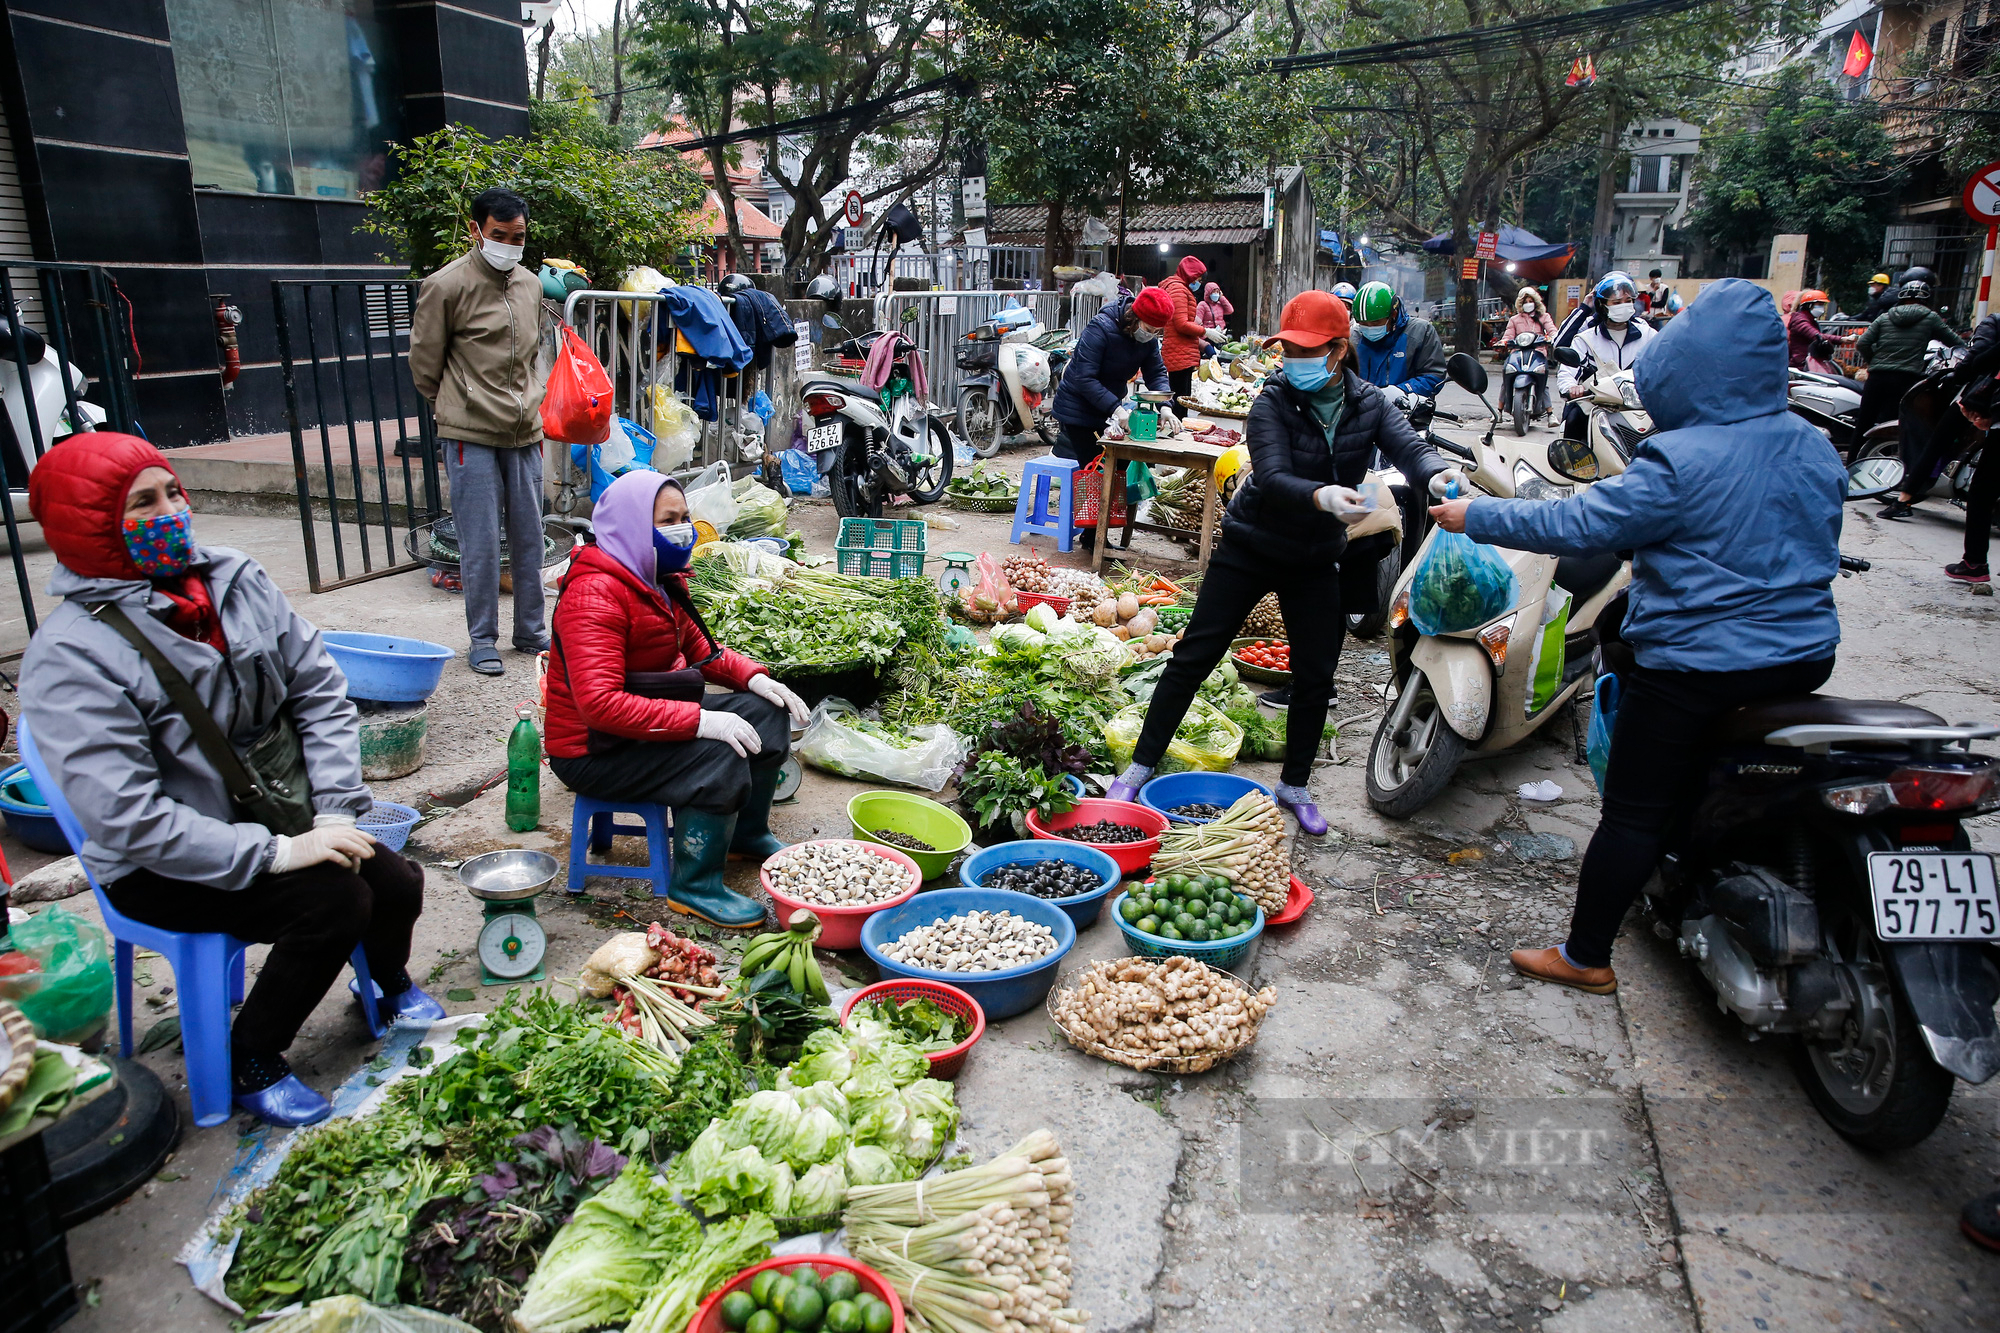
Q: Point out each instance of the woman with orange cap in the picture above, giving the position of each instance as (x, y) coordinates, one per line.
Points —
(164, 838)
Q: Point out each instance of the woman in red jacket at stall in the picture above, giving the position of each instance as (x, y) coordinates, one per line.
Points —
(1180, 345)
(628, 715)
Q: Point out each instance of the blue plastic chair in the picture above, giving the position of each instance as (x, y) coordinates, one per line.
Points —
(1047, 506)
(208, 970)
(595, 823)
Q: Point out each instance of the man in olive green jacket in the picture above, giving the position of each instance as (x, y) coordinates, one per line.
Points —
(473, 348)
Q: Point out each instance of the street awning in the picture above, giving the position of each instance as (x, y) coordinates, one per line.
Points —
(1515, 244)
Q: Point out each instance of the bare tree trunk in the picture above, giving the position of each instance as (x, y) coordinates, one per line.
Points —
(1119, 265)
(1465, 311)
(1053, 248)
(616, 111)
(1606, 218)
(725, 193)
(542, 59)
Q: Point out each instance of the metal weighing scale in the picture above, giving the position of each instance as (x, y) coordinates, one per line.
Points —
(511, 942)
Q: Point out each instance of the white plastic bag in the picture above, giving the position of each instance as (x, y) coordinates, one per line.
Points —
(839, 740)
(710, 498)
(677, 429)
(616, 453)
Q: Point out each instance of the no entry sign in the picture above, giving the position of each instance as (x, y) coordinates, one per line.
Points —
(1982, 194)
(853, 208)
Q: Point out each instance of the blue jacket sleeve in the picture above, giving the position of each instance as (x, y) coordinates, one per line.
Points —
(1085, 367)
(1638, 508)
(1424, 360)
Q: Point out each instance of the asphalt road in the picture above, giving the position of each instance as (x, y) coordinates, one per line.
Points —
(1694, 1187)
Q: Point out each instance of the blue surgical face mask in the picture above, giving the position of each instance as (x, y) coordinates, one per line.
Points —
(1307, 374)
(1372, 332)
(672, 545)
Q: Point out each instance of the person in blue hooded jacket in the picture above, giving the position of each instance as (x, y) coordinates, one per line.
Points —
(1732, 513)
(1401, 356)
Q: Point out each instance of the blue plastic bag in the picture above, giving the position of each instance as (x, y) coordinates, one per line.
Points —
(590, 458)
(800, 471)
(761, 404)
(1603, 717)
(1460, 585)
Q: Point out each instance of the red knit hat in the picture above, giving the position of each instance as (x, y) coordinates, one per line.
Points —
(77, 493)
(1154, 306)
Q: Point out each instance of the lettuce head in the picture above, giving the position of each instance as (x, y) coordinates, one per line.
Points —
(868, 1165)
(820, 1190)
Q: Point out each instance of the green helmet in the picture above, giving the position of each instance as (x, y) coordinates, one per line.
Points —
(1374, 303)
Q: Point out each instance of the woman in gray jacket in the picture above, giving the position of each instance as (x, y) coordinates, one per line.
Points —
(163, 838)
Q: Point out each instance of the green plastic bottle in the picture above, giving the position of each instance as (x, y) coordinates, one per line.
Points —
(524, 772)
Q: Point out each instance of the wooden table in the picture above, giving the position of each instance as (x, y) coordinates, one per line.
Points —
(1200, 458)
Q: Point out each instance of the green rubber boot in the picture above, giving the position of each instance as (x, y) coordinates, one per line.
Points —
(701, 849)
(754, 840)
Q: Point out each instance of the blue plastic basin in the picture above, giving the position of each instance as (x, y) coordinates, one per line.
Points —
(1083, 908)
(1001, 994)
(28, 819)
(1171, 789)
(385, 668)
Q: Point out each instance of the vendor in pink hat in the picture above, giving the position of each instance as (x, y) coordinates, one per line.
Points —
(1311, 434)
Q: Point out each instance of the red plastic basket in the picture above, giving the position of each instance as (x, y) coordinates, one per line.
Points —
(708, 1319)
(1296, 902)
(1089, 495)
(1059, 605)
(1130, 856)
(944, 1064)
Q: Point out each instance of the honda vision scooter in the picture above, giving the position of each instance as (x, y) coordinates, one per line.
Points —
(1490, 686)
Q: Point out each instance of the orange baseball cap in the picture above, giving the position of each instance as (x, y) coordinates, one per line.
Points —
(1312, 319)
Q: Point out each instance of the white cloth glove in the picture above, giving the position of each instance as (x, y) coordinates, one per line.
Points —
(731, 730)
(764, 687)
(345, 846)
(333, 819)
(1169, 423)
(1397, 398)
(1216, 336)
(1441, 480)
(1346, 505)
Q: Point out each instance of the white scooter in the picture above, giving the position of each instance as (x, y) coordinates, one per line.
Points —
(1007, 384)
(1476, 688)
(42, 405)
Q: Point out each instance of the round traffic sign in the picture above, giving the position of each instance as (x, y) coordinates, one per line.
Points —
(854, 211)
(1982, 193)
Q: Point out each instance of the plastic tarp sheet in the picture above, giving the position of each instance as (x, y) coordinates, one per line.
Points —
(1516, 245)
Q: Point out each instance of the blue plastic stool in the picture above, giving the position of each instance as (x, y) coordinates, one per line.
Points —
(595, 824)
(1047, 506)
(208, 971)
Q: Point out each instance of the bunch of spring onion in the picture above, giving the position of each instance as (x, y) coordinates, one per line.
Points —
(649, 1012)
(976, 1251)
(1245, 846)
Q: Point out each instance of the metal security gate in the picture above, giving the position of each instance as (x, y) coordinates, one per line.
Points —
(364, 447)
(67, 361)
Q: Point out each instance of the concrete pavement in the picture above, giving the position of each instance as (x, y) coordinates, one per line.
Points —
(1717, 1198)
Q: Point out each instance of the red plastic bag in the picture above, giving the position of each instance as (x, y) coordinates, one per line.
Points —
(1089, 482)
(990, 598)
(577, 407)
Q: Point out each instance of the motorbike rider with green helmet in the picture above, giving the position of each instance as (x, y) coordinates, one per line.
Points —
(1399, 355)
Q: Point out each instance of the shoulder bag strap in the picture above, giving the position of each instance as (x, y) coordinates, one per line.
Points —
(208, 736)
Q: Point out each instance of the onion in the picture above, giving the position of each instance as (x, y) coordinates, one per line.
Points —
(1128, 606)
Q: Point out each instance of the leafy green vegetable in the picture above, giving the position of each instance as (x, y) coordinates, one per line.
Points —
(924, 1023)
(710, 1077)
(726, 1250)
(785, 629)
(998, 789)
(605, 1261)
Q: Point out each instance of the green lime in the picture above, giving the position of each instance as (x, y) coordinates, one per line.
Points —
(839, 1285)
(1233, 912)
(1247, 903)
(868, 1298)
(1130, 909)
(843, 1317)
(1184, 922)
(1148, 924)
(760, 1286)
(1199, 906)
(1176, 883)
(803, 1307)
(737, 1307)
(1169, 931)
(804, 1273)
(878, 1318)
(763, 1322)
(1198, 932)
(774, 1295)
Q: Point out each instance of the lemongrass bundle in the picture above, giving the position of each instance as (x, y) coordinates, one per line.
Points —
(1244, 846)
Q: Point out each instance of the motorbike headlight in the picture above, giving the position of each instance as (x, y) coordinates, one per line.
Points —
(1531, 485)
(1629, 392)
(1494, 640)
(1399, 608)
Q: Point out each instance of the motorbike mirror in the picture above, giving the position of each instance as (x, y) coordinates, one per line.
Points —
(1568, 356)
(1573, 459)
(1466, 373)
(1873, 476)
(909, 314)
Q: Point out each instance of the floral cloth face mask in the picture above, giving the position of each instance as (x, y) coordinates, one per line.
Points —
(162, 546)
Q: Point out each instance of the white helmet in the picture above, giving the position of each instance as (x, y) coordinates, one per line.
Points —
(1345, 291)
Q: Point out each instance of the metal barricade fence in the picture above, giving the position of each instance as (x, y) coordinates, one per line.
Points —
(945, 317)
(54, 316)
(634, 337)
(364, 446)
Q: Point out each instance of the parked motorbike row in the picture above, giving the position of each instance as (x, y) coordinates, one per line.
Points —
(1825, 888)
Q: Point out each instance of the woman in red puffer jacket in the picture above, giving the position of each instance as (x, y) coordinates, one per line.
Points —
(1180, 345)
(629, 718)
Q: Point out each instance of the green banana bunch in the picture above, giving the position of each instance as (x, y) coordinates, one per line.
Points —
(790, 952)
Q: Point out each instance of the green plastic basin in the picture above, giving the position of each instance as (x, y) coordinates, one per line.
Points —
(916, 816)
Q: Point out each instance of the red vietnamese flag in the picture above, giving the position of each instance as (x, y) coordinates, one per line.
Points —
(1860, 56)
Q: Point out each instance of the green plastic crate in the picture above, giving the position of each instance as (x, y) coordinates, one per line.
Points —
(887, 548)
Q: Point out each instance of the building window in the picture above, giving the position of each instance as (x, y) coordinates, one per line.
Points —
(1934, 42)
(285, 96)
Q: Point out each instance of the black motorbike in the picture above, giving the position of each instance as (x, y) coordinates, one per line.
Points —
(872, 446)
(1826, 890)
